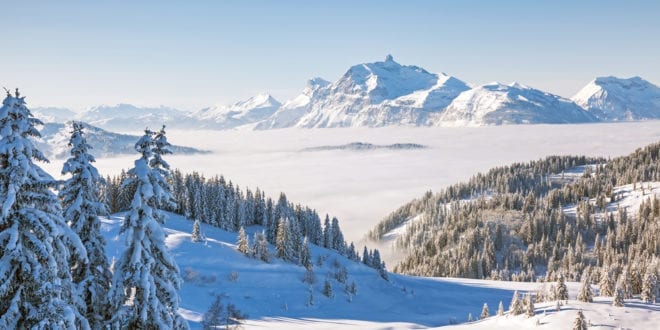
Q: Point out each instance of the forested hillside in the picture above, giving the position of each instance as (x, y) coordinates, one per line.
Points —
(520, 222)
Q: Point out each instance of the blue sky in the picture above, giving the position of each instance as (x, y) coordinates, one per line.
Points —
(191, 54)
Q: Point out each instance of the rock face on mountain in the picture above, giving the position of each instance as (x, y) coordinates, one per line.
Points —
(616, 99)
(499, 104)
(252, 110)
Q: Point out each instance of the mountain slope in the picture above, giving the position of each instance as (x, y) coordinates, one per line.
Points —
(291, 111)
(252, 110)
(617, 99)
(55, 139)
(500, 104)
(53, 114)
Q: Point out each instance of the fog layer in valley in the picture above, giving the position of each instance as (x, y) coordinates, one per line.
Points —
(361, 187)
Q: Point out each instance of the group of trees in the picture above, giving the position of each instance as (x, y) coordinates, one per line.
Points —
(512, 223)
(54, 272)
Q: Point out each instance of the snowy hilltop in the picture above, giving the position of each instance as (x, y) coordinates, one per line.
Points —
(616, 99)
(54, 141)
(500, 104)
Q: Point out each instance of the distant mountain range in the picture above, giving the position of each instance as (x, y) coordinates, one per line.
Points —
(388, 93)
(54, 142)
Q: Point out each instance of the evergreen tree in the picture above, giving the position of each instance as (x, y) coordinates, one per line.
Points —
(516, 306)
(585, 294)
(197, 235)
(529, 305)
(327, 288)
(649, 286)
(305, 254)
(561, 291)
(36, 245)
(146, 278)
(605, 285)
(327, 233)
(283, 243)
(580, 323)
(82, 207)
(618, 295)
(500, 309)
(484, 312)
(260, 247)
(243, 244)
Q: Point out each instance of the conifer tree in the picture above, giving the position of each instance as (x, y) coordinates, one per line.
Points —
(529, 305)
(243, 244)
(197, 235)
(649, 286)
(36, 245)
(605, 285)
(305, 254)
(500, 309)
(484, 312)
(580, 323)
(516, 306)
(561, 291)
(585, 294)
(82, 207)
(618, 295)
(260, 247)
(146, 278)
(327, 288)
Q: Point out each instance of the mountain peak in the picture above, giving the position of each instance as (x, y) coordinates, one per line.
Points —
(389, 58)
(616, 99)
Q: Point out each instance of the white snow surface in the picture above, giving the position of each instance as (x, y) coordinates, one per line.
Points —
(618, 99)
(274, 297)
(362, 188)
(629, 197)
(500, 104)
(252, 110)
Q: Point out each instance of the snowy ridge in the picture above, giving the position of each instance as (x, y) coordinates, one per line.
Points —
(293, 109)
(55, 139)
(274, 297)
(128, 117)
(252, 110)
(500, 104)
(617, 99)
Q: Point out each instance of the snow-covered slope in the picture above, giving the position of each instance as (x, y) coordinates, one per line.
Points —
(291, 111)
(127, 117)
(373, 95)
(274, 297)
(500, 104)
(615, 99)
(55, 139)
(252, 110)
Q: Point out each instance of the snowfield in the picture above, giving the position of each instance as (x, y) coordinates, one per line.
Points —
(274, 297)
(361, 188)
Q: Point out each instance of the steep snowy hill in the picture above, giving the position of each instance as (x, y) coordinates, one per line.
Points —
(127, 117)
(291, 111)
(55, 139)
(500, 104)
(274, 297)
(252, 110)
(53, 114)
(616, 99)
(373, 95)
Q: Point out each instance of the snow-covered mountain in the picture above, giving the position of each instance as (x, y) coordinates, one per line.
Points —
(500, 104)
(128, 117)
(616, 99)
(380, 94)
(291, 111)
(252, 110)
(55, 139)
(53, 114)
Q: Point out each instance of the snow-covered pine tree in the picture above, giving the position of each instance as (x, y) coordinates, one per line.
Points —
(484, 312)
(529, 305)
(197, 235)
(516, 306)
(649, 286)
(146, 278)
(327, 288)
(580, 323)
(338, 242)
(585, 294)
(284, 241)
(260, 247)
(500, 309)
(605, 285)
(82, 207)
(618, 295)
(305, 254)
(36, 289)
(561, 291)
(243, 244)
